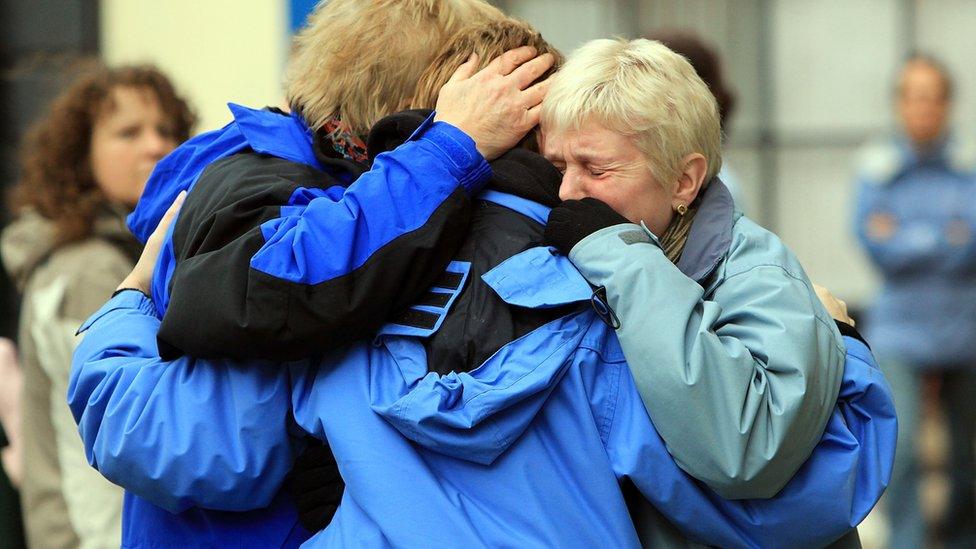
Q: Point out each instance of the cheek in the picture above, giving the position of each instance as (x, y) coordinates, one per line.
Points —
(102, 164)
(613, 199)
(641, 201)
(655, 210)
(115, 169)
(621, 195)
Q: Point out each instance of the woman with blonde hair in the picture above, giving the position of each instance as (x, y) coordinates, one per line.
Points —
(712, 311)
(84, 165)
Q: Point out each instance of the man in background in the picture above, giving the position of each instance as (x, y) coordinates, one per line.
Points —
(916, 219)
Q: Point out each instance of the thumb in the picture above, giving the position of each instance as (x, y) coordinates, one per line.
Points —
(168, 217)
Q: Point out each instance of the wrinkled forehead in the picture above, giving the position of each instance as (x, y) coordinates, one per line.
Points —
(591, 140)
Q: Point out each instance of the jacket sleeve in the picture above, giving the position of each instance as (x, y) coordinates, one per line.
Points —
(739, 385)
(832, 492)
(330, 264)
(183, 433)
(890, 255)
(921, 245)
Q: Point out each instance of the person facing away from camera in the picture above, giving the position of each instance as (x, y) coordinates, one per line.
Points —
(272, 185)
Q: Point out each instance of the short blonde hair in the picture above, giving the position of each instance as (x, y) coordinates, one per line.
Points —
(488, 40)
(642, 89)
(360, 59)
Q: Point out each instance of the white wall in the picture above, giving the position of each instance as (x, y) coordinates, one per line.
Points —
(216, 51)
(833, 65)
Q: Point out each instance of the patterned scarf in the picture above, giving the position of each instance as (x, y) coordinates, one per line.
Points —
(345, 143)
(676, 235)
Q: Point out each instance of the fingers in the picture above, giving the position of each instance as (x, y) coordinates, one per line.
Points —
(466, 69)
(167, 219)
(173, 208)
(177, 203)
(8, 352)
(835, 306)
(507, 62)
(532, 99)
(533, 96)
(529, 72)
(533, 115)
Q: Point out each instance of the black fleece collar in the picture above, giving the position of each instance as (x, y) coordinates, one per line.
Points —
(520, 172)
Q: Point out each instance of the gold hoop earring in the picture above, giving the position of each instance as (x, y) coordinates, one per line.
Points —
(681, 209)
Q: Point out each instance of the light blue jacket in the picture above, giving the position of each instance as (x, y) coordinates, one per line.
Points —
(733, 354)
(925, 313)
(529, 449)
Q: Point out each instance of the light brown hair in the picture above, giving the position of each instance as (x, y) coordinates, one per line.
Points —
(488, 40)
(56, 178)
(360, 59)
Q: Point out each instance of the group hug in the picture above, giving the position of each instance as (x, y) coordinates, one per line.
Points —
(467, 292)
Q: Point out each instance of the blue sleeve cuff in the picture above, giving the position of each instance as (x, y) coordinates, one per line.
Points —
(471, 169)
(124, 299)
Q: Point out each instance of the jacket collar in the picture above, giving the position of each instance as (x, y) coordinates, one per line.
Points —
(282, 135)
(710, 236)
(276, 134)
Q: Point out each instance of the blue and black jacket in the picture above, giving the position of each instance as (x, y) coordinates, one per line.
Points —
(281, 252)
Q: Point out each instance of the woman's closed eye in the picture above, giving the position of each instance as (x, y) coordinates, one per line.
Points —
(129, 132)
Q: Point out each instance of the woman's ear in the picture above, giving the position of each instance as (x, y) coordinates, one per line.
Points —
(694, 168)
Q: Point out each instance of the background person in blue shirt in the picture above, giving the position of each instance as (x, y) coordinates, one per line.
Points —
(916, 217)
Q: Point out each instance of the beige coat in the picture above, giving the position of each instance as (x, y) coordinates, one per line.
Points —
(66, 502)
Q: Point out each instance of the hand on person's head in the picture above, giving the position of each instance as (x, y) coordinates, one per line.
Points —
(499, 104)
(141, 276)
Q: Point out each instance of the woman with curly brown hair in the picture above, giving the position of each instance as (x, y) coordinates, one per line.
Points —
(84, 166)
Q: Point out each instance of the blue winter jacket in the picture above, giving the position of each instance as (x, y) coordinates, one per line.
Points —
(553, 417)
(302, 203)
(925, 313)
(532, 446)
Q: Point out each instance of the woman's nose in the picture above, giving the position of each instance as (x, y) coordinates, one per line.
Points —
(569, 188)
(156, 144)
